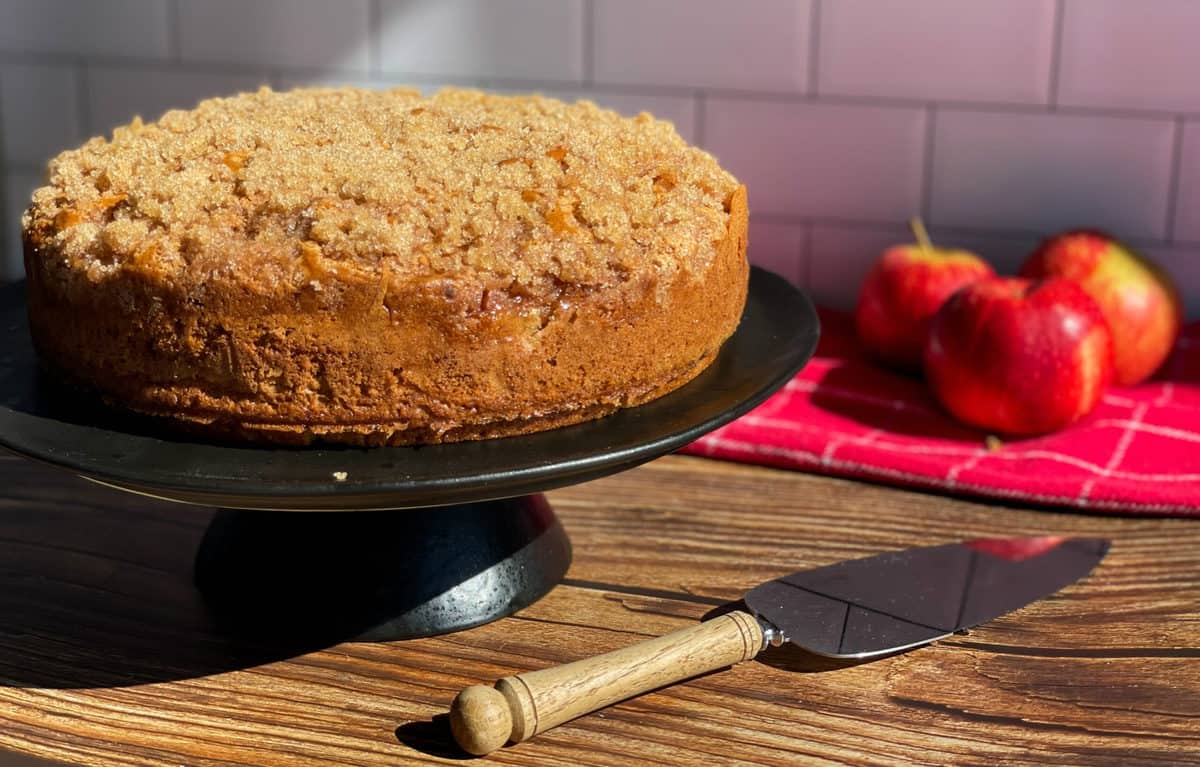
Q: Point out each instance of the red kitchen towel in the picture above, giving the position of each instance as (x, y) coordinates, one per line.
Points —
(1137, 452)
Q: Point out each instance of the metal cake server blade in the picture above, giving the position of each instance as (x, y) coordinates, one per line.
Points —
(859, 608)
(895, 601)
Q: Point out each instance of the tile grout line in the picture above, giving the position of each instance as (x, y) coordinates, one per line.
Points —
(814, 49)
(174, 31)
(953, 230)
(83, 118)
(1008, 108)
(1060, 13)
(804, 273)
(528, 83)
(5, 258)
(375, 37)
(589, 42)
(142, 64)
(927, 166)
(1173, 180)
(4, 223)
(137, 63)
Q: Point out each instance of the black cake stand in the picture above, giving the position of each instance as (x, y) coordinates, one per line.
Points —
(476, 539)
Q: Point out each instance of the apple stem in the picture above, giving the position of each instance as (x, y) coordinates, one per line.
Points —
(918, 229)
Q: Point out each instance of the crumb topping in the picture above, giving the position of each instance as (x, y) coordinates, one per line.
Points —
(287, 189)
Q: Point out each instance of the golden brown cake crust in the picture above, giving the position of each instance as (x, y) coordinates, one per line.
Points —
(381, 268)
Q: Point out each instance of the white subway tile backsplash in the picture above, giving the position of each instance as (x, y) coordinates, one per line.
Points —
(116, 95)
(840, 257)
(753, 44)
(778, 247)
(38, 112)
(1139, 55)
(280, 33)
(335, 80)
(536, 39)
(937, 49)
(832, 177)
(1187, 202)
(821, 160)
(85, 27)
(18, 188)
(1044, 172)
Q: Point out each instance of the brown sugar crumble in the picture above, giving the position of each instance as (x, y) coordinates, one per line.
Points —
(354, 182)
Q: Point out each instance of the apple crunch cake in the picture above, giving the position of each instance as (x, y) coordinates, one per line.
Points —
(384, 268)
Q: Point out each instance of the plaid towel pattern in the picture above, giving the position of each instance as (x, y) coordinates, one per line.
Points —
(1137, 452)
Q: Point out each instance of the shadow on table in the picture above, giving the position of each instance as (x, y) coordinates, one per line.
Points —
(96, 597)
(97, 590)
(8, 759)
(432, 738)
(880, 399)
(98, 587)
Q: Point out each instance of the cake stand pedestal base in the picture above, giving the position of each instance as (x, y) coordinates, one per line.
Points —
(379, 575)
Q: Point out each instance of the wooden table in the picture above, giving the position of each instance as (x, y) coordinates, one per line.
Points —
(106, 656)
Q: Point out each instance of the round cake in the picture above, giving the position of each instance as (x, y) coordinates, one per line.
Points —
(384, 268)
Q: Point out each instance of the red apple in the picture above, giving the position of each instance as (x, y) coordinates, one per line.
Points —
(1137, 298)
(903, 290)
(1018, 356)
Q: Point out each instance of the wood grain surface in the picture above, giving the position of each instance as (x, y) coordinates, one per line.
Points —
(107, 656)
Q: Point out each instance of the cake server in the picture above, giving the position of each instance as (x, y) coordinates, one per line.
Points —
(855, 609)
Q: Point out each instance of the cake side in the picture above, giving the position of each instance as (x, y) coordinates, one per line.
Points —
(412, 363)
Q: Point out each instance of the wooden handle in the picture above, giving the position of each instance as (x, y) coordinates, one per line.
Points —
(519, 707)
